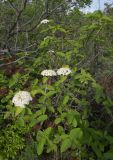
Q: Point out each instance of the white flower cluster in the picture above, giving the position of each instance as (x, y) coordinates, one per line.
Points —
(48, 73)
(61, 71)
(44, 21)
(21, 99)
(51, 51)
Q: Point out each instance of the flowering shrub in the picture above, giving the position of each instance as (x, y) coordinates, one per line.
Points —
(59, 121)
(56, 118)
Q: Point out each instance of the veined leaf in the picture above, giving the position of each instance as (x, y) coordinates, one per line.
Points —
(42, 118)
(66, 144)
(47, 131)
(18, 111)
(34, 121)
(58, 120)
(65, 100)
(76, 133)
(40, 145)
(20, 122)
(34, 92)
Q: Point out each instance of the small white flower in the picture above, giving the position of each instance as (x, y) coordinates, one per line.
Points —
(48, 73)
(44, 21)
(21, 99)
(51, 51)
(63, 71)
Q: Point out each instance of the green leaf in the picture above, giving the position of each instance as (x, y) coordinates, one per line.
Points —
(66, 144)
(96, 148)
(42, 118)
(20, 122)
(108, 155)
(44, 80)
(60, 130)
(107, 19)
(28, 110)
(6, 115)
(14, 80)
(60, 54)
(38, 113)
(51, 147)
(51, 109)
(64, 136)
(47, 131)
(58, 120)
(33, 122)
(63, 115)
(108, 102)
(46, 42)
(62, 79)
(37, 62)
(99, 94)
(65, 100)
(40, 91)
(50, 93)
(40, 145)
(1, 158)
(18, 111)
(84, 77)
(76, 133)
(72, 120)
(74, 123)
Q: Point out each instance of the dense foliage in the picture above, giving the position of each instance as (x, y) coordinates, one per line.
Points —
(70, 116)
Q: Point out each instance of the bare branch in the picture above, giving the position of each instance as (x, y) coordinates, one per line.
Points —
(13, 6)
(17, 19)
(5, 64)
(43, 15)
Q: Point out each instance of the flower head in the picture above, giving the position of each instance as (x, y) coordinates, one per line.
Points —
(48, 73)
(63, 71)
(51, 51)
(44, 21)
(21, 99)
